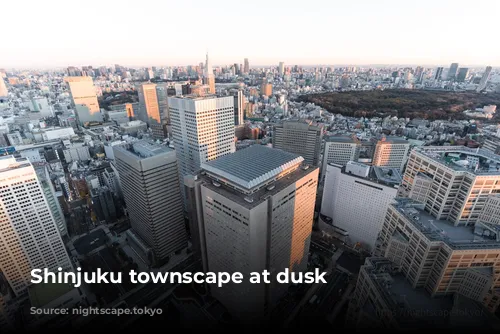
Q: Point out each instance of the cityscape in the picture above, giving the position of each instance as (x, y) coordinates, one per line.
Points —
(386, 177)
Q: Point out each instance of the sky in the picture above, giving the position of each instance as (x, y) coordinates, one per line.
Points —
(60, 33)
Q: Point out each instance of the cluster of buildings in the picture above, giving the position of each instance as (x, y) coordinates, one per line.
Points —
(226, 163)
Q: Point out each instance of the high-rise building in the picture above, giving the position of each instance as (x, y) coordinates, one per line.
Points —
(30, 238)
(300, 138)
(452, 181)
(83, 92)
(266, 89)
(3, 88)
(150, 184)
(391, 152)
(440, 257)
(482, 83)
(463, 73)
(202, 129)
(439, 73)
(163, 92)
(84, 115)
(239, 99)
(339, 150)
(281, 68)
(149, 109)
(246, 67)
(257, 209)
(209, 77)
(452, 72)
(355, 200)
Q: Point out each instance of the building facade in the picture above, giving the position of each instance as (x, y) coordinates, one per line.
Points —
(391, 152)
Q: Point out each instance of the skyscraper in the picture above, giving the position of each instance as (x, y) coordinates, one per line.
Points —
(266, 88)
(246, 68)
(300, 138)
(83, 92)
(281, 68)
(239, 99)
(439, 73)
(391, 152)
(202, 129)
(209, 78)
(452, 72)
(257, 210)
(30, 238)
(150, 184)
(463, 73)
(3, 88)
(149, 109)
(484, 79)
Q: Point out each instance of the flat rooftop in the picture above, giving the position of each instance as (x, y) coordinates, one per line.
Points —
(341, 139)
(457, 237)
(253, 166)
(437, 153)
(387, 175)
(91, 241)
(144, 149)
(9, 162)
(394, 140)
(43, 293)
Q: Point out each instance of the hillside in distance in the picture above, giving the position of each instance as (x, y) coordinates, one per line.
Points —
(426, 104)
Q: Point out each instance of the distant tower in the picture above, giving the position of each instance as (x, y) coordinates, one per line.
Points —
(281, 68)
(246, 68)
(482, 83)
(452, 73)
(209, 76)
(439, 73)
(3, 88)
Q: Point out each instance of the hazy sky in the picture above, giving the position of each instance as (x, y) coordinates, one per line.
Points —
(167, 32)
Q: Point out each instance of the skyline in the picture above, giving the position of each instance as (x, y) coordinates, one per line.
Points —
(351, 33)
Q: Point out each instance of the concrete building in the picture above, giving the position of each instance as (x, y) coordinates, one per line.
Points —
(202, 129)
(463, 73)
(453, 182)
(255, 212)
(484, 79)
(383, 299)
(82, 92)
(133, 127)
(29, 237)
(77, 152)
(492, 143)
(300, 138)
(339, 150)
(266, 89)
(281, 68)
(150, 184)
(239, 100)
(84, 115)
(453, 71)
(391, 152)
(246, 67)
(149, 109)
(439, 73)
(355, 198)
(436, 255)
(209, 77)
(3, 88)
(40, 105)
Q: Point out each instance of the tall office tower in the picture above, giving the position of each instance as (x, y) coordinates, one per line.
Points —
(236, 69)
(3, 88)
(150, 185)
(149, 109)
(482, 83)
(281, 68)
(162, 92)
(443, 258)
(257, 209)
(340, 150)
(385, 299)
(452, 72)
(266, 89)
(202, 129)
(300, 138)
(30, 238)
(209, 77)
(391, 152)
(439, 73)
(452, 181)
(463, 73)
(239, 99)
(83, 92)
(355, 201)
(246, 67)
(74, 71)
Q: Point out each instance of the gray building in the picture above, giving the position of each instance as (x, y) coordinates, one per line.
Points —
(463, 73)
(484, 79)
(254, 210)
(150, 185)
(452, 72)
(85, 116)
(300, 138)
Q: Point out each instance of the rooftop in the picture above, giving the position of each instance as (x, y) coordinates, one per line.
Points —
(341, 139)
(394, 140)
(144, 149)
(387, 175)
(457, 237)
(9, 162)
(253, 166)
(91, 241)
(43, 293)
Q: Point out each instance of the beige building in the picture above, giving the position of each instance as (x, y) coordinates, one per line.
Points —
(255, 211)
(391, 152)
(453, 182)
(439, 257)
(3, 88)
(266, 89)
(83, 92)
(149, 109)
(339, 150)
